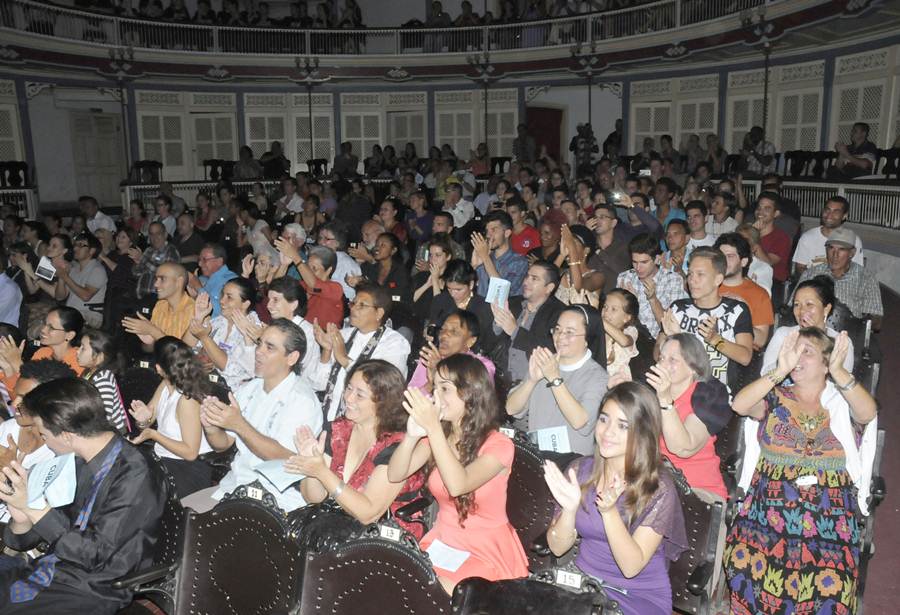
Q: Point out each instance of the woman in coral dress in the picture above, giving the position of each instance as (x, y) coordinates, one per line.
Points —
(457, 435)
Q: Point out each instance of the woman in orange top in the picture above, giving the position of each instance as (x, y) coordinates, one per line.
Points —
(60, 338)
(470, 462)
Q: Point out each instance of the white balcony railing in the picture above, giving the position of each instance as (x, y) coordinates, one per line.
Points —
(107, 30)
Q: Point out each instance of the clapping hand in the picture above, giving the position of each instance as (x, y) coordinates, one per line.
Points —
(547, 362)
(504, 318)
(310, 459)
(141, 412)
(424, 415)
(14, 491)
(323, 339)
(566, 491)
(250, 330)
(337, 345)
(838, 357)
(607, 498)
(247, 265)
(708, 328)
(9, 453)
(789, 355)
(287, 249)
(11, 355)
(202, 306)
(480, 247)
(658, 378)
(670, 324)
(224, 416)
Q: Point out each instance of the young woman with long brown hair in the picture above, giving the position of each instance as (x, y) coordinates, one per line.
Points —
(623, 505)
(469, 462)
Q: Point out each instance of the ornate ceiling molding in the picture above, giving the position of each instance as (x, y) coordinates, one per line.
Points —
(33, 88)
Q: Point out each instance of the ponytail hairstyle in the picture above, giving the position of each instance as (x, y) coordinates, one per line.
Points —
(181, 367)
(476, 388)
(642, 457)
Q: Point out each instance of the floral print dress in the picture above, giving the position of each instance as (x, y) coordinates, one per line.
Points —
(794, 546)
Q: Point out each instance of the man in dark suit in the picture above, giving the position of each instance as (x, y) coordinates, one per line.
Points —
(525, 323)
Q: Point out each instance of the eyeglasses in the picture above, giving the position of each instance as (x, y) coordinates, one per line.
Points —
(47, 325)
(604, 217)
(567, 333)
(81, 245)
(359, 304)
(326, 238)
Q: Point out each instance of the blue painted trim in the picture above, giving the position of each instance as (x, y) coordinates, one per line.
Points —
(432, 123)
(827, 93)
(723, 104)
(336, 116)
(131, 116)
(240, 118)
(626, 113)
(25, 125)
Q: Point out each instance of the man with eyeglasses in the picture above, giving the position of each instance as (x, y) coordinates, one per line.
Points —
(214, 275)
(158, 252)
(334, 235)
(611, 256)
(84, 281)
(367, 337)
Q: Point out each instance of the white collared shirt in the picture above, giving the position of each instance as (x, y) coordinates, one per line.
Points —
(311, 357)
(392, 348)
(277, 415)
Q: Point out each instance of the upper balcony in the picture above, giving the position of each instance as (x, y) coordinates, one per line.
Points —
(666, 30)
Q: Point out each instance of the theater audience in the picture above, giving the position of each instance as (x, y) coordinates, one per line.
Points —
(107, 531)
(854, 286)
(351, 465)
(82, 283)
(806, 474)
(561, 411)
(20, 437)
(98, 357)
(654, 287)
(493, 257)
(367, 337)
(173, 311)
(723, 324)
(622, 504)
(218, 339)
(214, 274)
(468, 473)
(175, 410)
(334, 235)
(261, 417)
(811, 248)
(427, 285)
(812, 304)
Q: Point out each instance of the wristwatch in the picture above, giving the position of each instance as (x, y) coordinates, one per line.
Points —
(555, 382)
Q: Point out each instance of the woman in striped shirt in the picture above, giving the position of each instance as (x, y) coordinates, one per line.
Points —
(97, 356)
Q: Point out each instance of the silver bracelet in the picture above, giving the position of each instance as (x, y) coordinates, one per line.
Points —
(338, 490)
(847, 386)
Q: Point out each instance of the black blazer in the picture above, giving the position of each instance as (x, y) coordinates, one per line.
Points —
(397, 281)
(539, 333)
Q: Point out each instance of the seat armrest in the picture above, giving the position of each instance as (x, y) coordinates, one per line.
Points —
(540, 547)
(878, 490)
(699, 578)
(142, 577)
(408, 511)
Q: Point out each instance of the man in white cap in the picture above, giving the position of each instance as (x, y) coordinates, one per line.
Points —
(854, 286)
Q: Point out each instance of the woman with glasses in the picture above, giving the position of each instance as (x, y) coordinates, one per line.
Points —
(350, 463)
(60, 338)
(562, 392)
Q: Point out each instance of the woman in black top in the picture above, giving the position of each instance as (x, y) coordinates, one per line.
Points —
(459, 294)
(388, 270)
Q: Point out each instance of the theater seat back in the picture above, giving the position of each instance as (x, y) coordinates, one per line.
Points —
(529, 503)
(238, 560)
(371, 574)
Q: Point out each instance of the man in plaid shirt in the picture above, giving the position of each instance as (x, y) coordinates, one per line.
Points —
(853, 286)
(654, 288)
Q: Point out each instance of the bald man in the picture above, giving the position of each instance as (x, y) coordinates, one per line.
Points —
(173, 311)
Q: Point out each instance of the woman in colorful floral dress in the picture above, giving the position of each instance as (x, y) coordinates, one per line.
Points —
(794, 544)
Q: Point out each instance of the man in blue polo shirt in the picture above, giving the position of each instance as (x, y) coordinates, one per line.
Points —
(214, 275)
